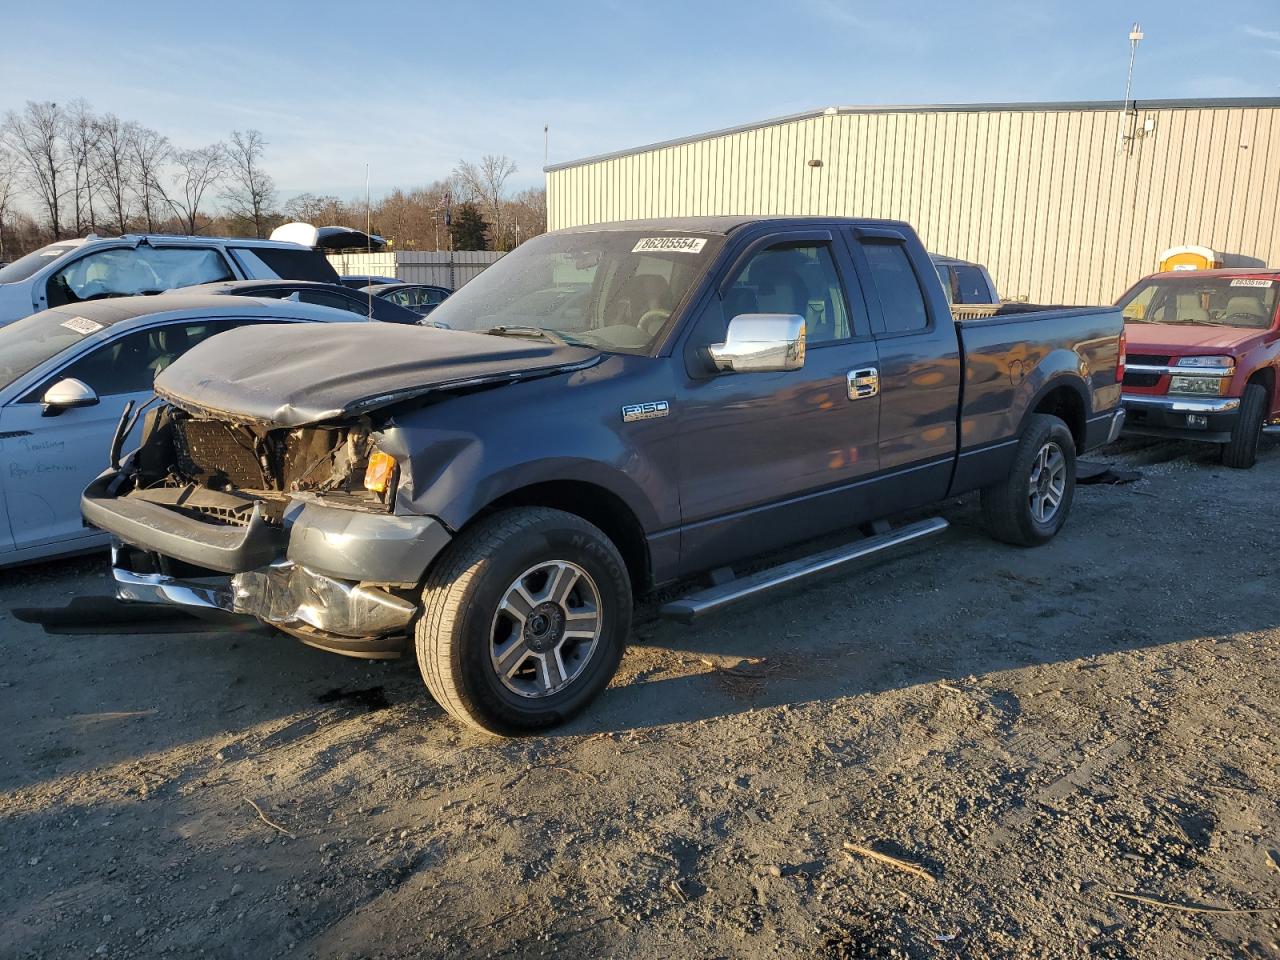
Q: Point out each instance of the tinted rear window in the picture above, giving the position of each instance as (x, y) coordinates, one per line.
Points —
(973, 286)
(901, 299)
(300, 264)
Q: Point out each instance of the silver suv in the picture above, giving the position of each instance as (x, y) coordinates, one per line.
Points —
(73, 271)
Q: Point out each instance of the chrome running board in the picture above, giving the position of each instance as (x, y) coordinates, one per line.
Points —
(687, 609)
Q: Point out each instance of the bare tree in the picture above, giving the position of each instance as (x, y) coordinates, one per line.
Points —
(308, 208)
(148, 152)
(251, 193)
(113, 168)
(9, 175)
(81, 128)
(195, 171)
(527, 213)
(34, 137)
(483, 183)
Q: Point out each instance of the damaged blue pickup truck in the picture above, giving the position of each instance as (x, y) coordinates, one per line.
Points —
(605, 410)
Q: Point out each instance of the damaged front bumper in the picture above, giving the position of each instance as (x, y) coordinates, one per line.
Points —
(331, 576)
(342, 617)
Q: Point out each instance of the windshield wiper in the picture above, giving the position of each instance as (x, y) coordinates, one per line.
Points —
(521, 331)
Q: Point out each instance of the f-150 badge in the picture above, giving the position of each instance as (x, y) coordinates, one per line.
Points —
(645, 411)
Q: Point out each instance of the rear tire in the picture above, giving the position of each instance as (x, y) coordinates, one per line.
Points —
(1241, 451)
(1031, 504)
(525, 618)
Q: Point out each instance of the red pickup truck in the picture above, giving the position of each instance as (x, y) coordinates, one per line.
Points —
(1203, 348)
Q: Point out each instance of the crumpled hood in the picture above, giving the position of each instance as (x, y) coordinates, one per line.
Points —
(1186, 339)
(300, 373)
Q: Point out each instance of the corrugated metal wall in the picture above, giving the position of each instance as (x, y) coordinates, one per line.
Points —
(1045, 195)
(418, 267)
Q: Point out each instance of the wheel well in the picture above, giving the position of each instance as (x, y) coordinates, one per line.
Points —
(597, 506)
(1266, 377)
(1065, 404)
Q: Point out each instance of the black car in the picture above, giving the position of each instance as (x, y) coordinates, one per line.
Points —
(321, 294)
(421, 298)
(361, 280)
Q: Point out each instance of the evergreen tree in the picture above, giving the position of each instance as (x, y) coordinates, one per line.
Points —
(469, 230)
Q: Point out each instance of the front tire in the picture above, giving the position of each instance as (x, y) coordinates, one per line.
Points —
(1031, 504)
(525, 618)
(1241, 451)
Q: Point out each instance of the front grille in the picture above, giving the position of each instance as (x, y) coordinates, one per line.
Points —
(211, 449)
(1135, 379)
(1132, 379)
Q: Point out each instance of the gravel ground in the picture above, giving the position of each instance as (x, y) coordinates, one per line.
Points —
(1034, 732)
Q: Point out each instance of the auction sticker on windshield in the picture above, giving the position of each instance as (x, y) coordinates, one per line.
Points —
(82, 325)
(670, 244)
(1252, 283)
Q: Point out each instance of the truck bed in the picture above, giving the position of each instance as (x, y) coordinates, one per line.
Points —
(1012, 359)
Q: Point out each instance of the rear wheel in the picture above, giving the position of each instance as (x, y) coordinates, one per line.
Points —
(525, 618)
(1241, 451)
(1031, 504)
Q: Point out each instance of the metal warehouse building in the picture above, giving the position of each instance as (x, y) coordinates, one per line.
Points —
(1064, 202)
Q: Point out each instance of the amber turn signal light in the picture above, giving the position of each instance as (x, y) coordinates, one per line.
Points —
(377, 476)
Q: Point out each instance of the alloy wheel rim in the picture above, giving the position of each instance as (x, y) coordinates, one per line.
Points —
(546, 629)
(1048, 482)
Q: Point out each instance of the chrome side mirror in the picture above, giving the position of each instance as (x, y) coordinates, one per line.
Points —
(66, 394)
(761, 342)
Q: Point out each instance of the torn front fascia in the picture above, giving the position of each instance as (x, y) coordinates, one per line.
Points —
(182, 448)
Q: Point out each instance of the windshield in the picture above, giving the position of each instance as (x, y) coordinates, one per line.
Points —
(25, 267)
(611, 289)
(29, 342)
(1204, 301)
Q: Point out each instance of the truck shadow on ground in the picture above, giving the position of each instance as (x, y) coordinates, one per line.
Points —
(961, 605)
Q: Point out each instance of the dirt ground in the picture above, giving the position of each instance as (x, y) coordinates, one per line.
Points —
(1037, 732)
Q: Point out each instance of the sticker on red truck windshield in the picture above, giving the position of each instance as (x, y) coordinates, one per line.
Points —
(1252, 283)
(670, 245)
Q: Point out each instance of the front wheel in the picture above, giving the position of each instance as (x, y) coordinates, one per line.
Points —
(525, 618)
(1031, 504)
(1241, 451)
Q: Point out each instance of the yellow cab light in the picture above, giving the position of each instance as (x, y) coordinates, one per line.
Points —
(377, 476)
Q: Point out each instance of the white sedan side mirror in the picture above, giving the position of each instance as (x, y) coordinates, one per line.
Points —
(66, 394)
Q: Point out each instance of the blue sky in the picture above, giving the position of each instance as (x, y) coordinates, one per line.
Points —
(416, 86)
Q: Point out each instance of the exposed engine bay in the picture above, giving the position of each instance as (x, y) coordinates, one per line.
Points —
(217, 470)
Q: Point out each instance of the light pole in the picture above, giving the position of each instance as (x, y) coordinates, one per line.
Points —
(1135, 37)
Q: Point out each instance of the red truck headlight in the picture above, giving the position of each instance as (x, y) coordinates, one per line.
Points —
(1205, 376)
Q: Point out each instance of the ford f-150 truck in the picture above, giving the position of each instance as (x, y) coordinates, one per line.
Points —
(1205, 347)
(604, 410)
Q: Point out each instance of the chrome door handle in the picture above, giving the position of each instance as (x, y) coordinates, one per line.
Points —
(863, 383)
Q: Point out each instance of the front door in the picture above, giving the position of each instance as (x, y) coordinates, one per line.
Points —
(774, 458)
(46, 462)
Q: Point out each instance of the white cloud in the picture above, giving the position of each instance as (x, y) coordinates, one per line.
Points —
(1272, 35)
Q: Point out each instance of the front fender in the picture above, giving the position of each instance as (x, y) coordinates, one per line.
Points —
(461, 454)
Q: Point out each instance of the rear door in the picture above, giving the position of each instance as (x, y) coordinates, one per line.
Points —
(773, 458)
(919, 368)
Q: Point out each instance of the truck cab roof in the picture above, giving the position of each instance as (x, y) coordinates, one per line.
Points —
(725, 225)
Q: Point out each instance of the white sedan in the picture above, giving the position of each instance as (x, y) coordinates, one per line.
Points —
(66, 375)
